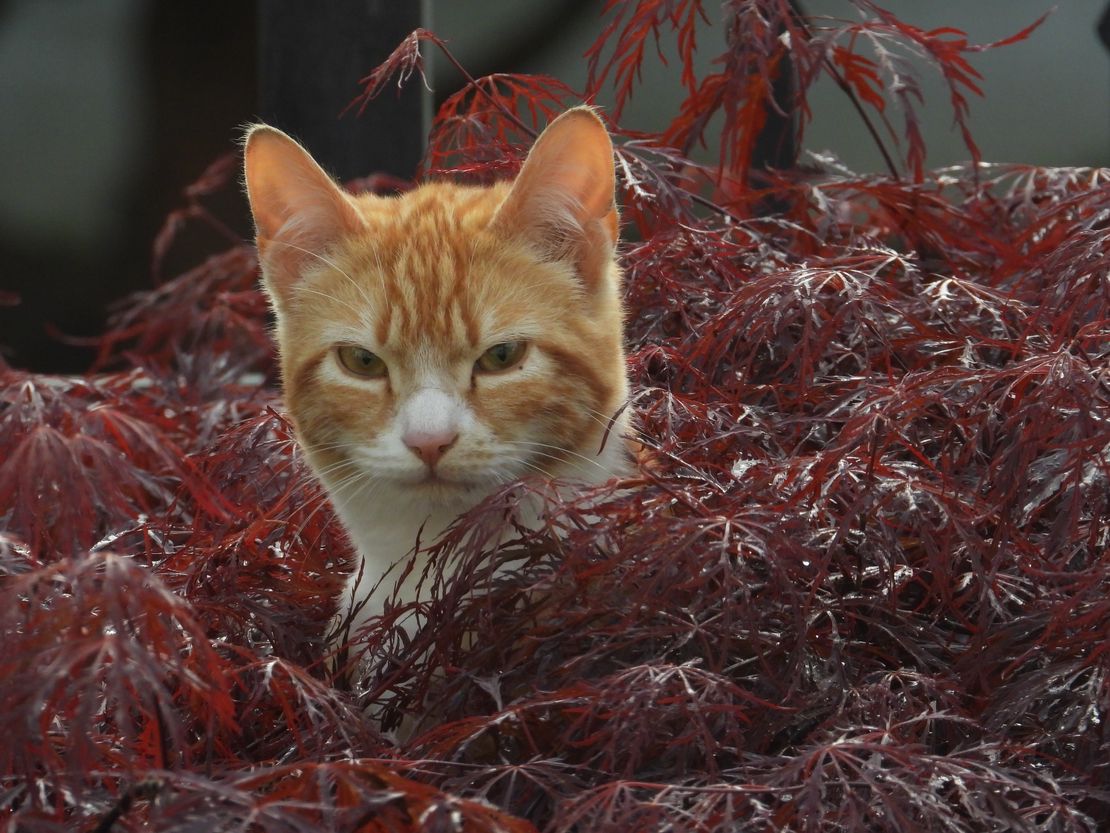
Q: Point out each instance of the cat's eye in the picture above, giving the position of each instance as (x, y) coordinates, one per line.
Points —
(501, 356)
(361, 361)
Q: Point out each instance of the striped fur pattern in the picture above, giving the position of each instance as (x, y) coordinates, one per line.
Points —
(428, 282)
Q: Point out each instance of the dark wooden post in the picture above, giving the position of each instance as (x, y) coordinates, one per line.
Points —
(310, 57)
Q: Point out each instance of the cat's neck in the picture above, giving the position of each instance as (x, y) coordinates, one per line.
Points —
(389, 530)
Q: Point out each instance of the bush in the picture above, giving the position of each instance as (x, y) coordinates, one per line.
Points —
(864, 583)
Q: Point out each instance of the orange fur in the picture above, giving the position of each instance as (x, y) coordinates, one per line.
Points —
(428, 281)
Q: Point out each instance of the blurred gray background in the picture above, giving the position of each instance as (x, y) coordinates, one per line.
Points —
(108, 108)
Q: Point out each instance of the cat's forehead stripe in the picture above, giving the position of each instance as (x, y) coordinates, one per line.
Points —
(424, 248)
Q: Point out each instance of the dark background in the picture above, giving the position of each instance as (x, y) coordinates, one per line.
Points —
(109, 108)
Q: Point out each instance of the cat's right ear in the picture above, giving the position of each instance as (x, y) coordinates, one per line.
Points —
(298, 209)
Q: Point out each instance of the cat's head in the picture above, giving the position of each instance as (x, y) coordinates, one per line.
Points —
(453, 338)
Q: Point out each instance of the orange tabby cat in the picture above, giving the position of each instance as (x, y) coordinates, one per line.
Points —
(437, 345)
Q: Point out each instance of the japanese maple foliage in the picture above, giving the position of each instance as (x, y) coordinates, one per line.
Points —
(862, 582)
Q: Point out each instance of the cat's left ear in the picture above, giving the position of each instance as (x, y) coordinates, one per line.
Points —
(299, 211)
(563, 200)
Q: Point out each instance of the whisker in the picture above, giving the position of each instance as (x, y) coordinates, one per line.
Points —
(333, 265)
(533, 466)
(610, 423)
(371, 481)
(327, 502)
(335, 467)
(336, 447)
(535, 444)
(311, 291)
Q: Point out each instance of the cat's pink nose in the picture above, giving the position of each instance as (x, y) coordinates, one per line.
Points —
(430, 446)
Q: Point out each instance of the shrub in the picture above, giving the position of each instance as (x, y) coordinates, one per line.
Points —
(863, 584)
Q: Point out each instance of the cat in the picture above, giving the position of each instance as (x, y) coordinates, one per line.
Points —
(438, 344)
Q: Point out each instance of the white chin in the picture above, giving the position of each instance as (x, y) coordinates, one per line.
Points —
(436, 483)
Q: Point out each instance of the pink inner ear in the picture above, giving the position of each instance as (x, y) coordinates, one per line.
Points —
(298, 209)
(563, 198)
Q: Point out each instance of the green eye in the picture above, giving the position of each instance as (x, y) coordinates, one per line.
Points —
(361, 362)
(501, 356)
